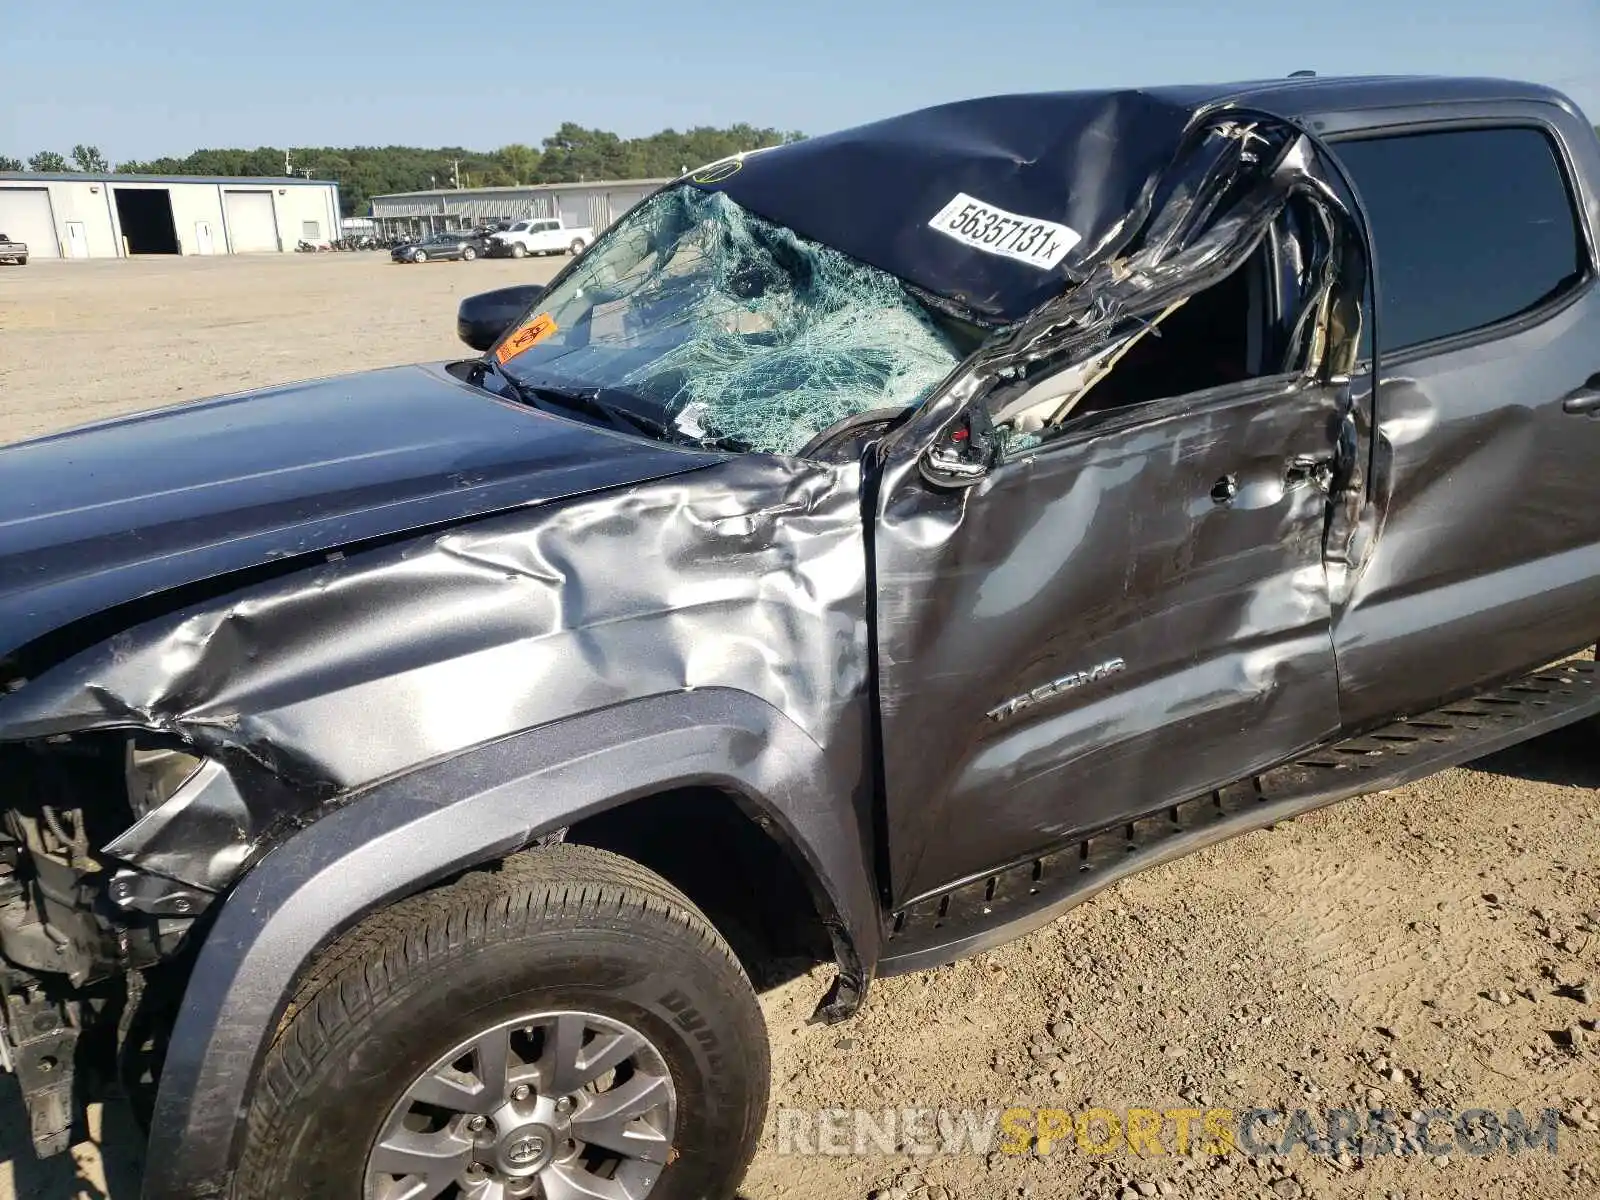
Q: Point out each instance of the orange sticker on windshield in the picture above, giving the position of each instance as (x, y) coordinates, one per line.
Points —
(529, 333)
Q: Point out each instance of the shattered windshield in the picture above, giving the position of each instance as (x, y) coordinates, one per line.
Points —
(741, 332)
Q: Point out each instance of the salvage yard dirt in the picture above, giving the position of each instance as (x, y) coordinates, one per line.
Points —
(1432, 947)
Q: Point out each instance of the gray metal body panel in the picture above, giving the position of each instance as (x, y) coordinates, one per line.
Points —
(468, 810)
(748, 575)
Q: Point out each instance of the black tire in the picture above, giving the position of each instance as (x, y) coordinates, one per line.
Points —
(518, 250)
(468, 254)
(419, 256)
(559, 928)
(576, 248)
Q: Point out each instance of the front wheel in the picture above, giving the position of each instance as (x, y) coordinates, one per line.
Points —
(468, 254)
(419, 256)
(566, 1025)
(519, 251)
(576, 248)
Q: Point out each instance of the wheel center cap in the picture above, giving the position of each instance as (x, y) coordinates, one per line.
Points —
(528, 1150)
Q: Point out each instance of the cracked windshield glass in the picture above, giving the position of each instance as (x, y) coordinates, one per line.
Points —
(730, 330)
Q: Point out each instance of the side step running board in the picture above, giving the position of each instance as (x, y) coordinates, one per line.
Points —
(991, 911)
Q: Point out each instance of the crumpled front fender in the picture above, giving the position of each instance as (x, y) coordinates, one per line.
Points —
(748, 575)
(401, 835)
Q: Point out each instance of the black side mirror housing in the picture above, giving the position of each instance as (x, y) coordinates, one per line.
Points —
(481, 319)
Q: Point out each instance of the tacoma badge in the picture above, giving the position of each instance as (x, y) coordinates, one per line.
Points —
(1055, 687)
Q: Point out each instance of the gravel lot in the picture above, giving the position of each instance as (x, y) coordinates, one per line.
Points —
(1425, 947)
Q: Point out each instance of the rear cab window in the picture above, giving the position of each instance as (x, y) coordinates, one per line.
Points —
(1471, 227)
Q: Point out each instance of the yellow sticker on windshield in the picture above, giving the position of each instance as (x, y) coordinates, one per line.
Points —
(530, 333)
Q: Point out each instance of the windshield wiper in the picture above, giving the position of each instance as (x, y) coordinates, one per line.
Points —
(588, 400)
(548, 396)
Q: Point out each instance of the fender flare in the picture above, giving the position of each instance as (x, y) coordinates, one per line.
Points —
(404, 834)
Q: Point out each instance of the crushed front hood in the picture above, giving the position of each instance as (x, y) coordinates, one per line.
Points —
(123, 509)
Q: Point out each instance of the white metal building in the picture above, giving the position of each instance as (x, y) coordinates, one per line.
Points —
(592, 204)
(81, 215)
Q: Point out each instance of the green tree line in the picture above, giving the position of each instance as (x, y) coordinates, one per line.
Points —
(84, 158)
(572, 154)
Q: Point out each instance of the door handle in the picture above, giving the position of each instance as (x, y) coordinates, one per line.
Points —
(1585, 399)
(1309, 468)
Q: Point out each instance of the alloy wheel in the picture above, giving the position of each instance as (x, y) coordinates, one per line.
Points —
(553, 1106)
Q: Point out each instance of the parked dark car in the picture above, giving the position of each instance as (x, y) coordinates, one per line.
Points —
(464, 246)
(868, 549)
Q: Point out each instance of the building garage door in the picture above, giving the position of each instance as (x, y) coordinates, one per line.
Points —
(251, 225)
(25, 217)
(575, 211)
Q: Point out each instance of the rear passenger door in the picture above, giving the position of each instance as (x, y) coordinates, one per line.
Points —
(1486, 471)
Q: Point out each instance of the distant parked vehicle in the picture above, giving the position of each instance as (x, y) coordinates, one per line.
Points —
(541, 235)
(10, 251)
(464, 245)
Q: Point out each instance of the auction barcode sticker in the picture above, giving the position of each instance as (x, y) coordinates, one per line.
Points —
(1038, 243)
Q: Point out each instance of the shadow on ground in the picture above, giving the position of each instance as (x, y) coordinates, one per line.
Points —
(1569, 756)
(88, 1173)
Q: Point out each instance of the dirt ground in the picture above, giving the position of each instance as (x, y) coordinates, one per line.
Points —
(1437, 946)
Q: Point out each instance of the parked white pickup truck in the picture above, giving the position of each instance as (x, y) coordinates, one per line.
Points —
(10, 251)
(541, 235)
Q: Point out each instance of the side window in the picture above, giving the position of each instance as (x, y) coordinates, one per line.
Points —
(1214, 338)
(1264, 320)
(1211, 339)
(1470, 227)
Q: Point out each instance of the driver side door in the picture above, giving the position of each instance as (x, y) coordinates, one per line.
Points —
(1128, 616)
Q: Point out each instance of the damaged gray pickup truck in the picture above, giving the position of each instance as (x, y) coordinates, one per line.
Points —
(868, 549)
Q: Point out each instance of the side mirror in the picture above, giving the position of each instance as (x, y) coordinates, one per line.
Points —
(481, 319)
(964, 452)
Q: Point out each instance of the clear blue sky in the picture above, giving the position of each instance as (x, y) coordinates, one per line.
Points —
(169, 76)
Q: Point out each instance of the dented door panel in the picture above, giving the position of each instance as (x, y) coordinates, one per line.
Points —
(1103, 549)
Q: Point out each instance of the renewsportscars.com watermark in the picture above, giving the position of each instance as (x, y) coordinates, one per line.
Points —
(1258, 1132)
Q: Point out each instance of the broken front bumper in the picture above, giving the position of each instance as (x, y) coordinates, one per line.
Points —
(38, 1042)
